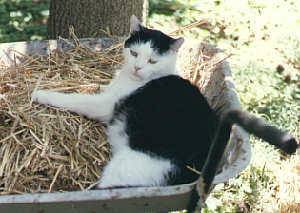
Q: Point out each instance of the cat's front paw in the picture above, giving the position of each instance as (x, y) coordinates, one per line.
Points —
(41, 96)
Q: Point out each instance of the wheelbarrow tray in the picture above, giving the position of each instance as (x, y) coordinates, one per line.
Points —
(218, 88)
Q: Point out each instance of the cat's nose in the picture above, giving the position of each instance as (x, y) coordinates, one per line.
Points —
(137, 68)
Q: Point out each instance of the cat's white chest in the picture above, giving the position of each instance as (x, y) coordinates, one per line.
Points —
(123, 85)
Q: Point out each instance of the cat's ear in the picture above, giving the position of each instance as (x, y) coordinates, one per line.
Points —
(177, 44)
(134, 24)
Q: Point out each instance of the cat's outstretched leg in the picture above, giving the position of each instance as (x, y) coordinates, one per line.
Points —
(94, 106)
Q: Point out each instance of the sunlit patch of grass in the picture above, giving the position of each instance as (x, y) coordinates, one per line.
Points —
(290, 49)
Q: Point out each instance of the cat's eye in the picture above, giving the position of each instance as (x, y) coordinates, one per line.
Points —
(133, 53)
(151, 61)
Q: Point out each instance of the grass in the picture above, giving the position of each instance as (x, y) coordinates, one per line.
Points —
(265, 66)
(23, 20)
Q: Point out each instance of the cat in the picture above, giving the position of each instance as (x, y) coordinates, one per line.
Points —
(157, 122)
(148, 54)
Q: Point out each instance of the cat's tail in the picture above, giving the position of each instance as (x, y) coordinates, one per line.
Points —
(251, 124)
(262, 129)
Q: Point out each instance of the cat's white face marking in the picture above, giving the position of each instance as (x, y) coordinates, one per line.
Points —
(144, 63)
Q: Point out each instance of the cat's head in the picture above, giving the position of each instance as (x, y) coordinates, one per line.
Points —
(149, 53)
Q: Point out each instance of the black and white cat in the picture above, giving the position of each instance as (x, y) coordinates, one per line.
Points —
(148, 54)
(157, 122)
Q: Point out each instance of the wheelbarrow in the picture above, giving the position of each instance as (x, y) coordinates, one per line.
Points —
(215, 83)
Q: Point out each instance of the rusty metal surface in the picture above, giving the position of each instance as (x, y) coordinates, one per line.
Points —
(9, 51)
(138, 199)
(217, 86)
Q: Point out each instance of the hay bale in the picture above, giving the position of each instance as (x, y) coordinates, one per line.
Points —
(44, 149)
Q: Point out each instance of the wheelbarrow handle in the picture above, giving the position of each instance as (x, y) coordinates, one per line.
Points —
(250, 123)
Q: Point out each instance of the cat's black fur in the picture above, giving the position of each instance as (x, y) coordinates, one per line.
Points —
(169, 118)
(159, 41)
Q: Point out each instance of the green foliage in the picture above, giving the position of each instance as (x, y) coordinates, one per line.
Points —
(181, 12)
(23, 20)
(170, 7)
(291, 49)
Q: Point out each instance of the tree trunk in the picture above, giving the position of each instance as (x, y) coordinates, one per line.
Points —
(90, 17)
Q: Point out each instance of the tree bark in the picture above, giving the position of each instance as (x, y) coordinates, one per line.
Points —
(90, 17)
